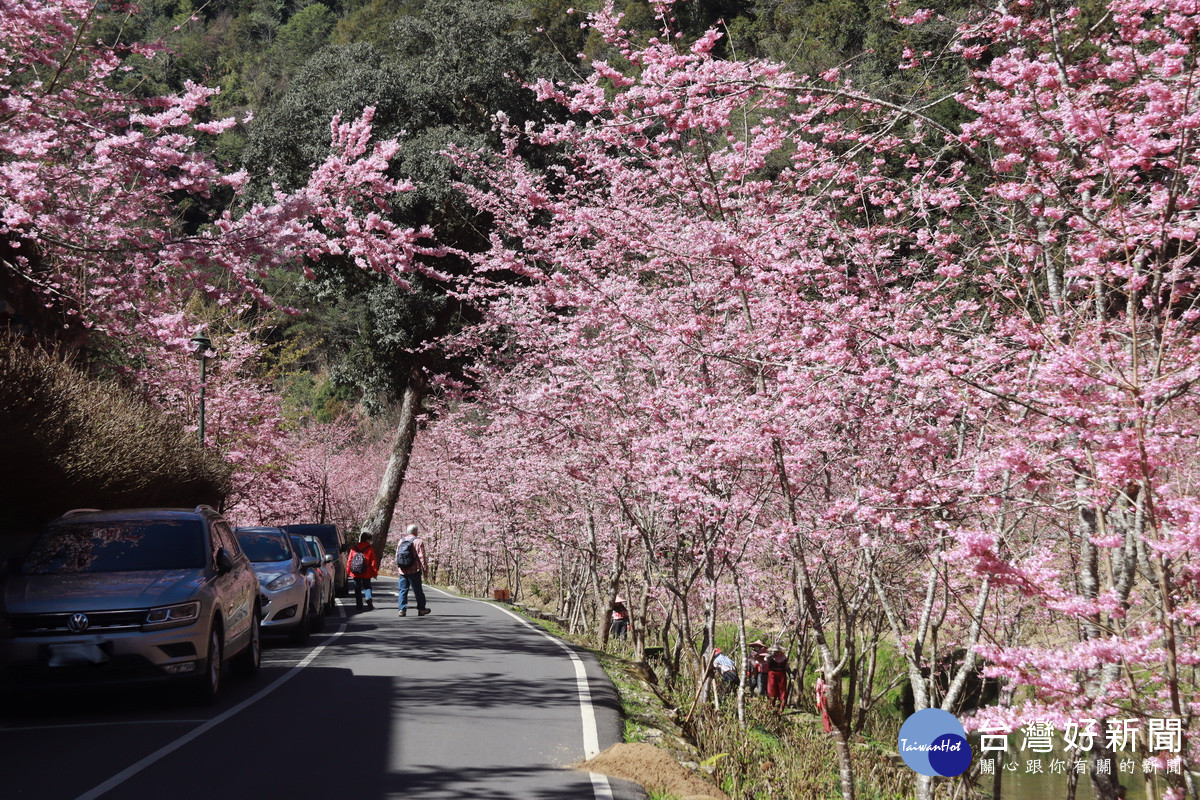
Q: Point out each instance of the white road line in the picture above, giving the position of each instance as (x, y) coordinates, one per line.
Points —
(162, 752)
(591, 735)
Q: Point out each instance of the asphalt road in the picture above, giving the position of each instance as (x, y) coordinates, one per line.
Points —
(468, 702)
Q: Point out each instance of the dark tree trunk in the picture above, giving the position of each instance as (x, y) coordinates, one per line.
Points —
(379, 521)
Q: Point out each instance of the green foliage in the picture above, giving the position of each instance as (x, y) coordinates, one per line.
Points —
(435, 80)
(372, 21)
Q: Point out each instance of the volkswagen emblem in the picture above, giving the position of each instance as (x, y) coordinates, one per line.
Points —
(78, 622)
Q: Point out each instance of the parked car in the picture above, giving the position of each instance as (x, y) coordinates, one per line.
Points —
(335, 544)
(134, 595)
(318, 565)
(284, 583)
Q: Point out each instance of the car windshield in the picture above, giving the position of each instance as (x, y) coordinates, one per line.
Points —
(302, 546)
(328, 537)
(264, 547)
(118, 546)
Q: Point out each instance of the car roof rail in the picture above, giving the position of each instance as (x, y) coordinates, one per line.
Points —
(74, 512)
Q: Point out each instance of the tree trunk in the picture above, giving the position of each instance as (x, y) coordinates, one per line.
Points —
(379, 521)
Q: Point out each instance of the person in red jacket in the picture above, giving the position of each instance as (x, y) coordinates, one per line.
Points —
(368, 567)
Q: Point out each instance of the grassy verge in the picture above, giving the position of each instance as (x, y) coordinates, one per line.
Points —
(775, 756)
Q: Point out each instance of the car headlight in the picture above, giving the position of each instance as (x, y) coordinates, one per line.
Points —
(173, 616)
(282, 582)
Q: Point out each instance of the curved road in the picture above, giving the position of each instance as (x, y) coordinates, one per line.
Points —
(468, 702)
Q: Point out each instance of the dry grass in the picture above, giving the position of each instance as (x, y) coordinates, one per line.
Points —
(71, 441)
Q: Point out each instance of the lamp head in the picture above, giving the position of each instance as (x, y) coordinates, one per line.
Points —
(203, 345)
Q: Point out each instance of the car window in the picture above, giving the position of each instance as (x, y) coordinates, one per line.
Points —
(118, 546)
(302, 548)
(264, 548)
(317, 548)
(328, 537)
(226, 539)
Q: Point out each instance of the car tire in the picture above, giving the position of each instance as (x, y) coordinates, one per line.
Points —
(247, 662)
(331, 606)
(318, 619)
(208, 683)
(299, 634)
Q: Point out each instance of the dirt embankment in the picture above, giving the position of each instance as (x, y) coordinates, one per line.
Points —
(653, 768)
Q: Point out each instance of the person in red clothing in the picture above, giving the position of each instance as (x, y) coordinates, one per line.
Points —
(777, 675)
(368, 568)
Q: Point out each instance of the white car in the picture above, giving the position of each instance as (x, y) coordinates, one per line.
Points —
(284, 583)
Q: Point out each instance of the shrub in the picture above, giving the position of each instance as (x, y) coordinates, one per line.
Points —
(72, 441)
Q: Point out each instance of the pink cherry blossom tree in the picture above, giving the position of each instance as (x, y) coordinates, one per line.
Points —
(769, 307)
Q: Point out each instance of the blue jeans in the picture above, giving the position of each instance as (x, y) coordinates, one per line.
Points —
(362, 589)
(402, 585)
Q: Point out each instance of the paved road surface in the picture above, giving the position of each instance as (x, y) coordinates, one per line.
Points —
(468, 702)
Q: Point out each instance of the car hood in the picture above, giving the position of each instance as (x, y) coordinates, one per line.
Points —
(100, 591)
(269, 569)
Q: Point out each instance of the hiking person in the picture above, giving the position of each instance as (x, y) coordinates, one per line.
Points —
(410, 561)
(363, 565)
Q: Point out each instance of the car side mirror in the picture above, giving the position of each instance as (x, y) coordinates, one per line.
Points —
(328, 558)
(224, 562)
(308, 562)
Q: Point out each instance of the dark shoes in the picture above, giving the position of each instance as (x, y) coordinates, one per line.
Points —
(423, 611)
(370, 605)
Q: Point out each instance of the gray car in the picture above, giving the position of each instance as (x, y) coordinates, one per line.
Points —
(284, 588)
(126, 596)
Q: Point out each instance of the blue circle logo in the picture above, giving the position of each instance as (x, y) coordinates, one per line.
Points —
(933, 742)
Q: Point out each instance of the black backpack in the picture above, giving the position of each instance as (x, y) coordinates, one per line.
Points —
(358, 563)
(406, 553)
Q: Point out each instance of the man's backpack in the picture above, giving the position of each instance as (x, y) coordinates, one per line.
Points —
(406, 553)
(358, 563)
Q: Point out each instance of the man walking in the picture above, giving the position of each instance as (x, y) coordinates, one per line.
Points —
(410, 560)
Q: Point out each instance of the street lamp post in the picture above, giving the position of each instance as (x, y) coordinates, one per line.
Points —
(203, 345)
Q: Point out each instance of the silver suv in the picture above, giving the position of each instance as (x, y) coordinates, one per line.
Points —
(122, 596)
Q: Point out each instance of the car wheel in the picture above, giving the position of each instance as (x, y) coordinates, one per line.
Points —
(249, 660)
(299, 634)
(318, 618)
(208, 683)
(331, 606)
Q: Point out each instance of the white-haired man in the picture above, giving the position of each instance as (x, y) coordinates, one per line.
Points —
(410, 561)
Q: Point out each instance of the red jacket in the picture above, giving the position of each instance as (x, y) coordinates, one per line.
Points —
(372, 560)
